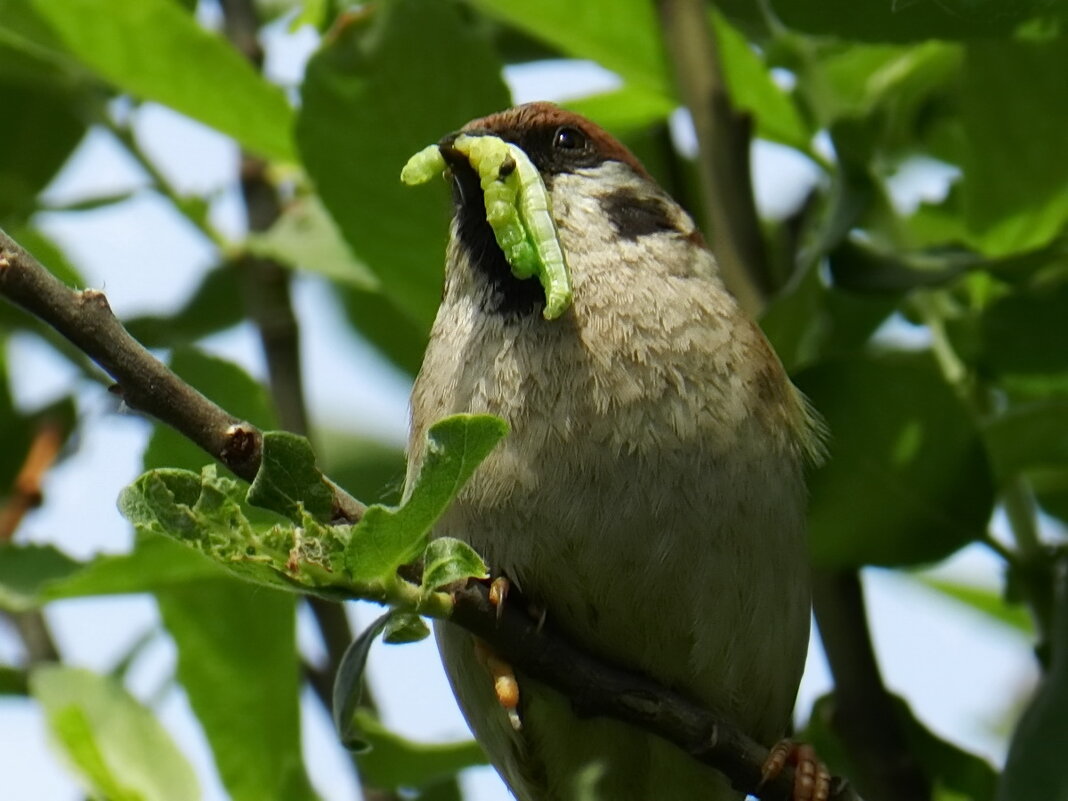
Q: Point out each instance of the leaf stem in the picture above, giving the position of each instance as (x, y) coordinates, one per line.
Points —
(162, 185)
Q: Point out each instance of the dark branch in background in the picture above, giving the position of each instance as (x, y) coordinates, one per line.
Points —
(724, 136)
(143, 381)
(268, 299)
(864, 715)
(597, 688)
(31, 626)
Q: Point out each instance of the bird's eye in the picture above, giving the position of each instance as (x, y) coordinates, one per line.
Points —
(568, 138)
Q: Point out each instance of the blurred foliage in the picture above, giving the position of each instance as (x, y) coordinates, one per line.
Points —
(925, 317)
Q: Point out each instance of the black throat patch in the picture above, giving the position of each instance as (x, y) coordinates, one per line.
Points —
(634, 215)
(509, 296)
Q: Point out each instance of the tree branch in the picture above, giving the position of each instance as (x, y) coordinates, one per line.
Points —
(724, 137)
(596, 688)
(143, 381)
(31, 626)
(266, 286)
(864, 712)
(536, 651)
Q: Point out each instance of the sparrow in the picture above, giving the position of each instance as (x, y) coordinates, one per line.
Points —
(650, 497)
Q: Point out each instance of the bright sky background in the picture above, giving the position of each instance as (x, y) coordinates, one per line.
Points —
(959, 671)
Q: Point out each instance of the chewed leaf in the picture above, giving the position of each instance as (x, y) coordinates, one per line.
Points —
(204, 511)
(288, 482)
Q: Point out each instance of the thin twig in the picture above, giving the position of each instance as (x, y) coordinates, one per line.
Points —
(1029, 561)
(724, 136)
(536, 651)
(159, 181)
(143, 381)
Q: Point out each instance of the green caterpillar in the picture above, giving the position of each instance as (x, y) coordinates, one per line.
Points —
(517, 208)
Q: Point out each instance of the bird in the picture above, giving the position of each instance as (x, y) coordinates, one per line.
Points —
(649, 500)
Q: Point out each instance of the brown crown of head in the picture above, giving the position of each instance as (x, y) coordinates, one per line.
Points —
(555, 140)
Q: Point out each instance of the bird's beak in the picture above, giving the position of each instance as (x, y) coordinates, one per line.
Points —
(464, 178)
(452, 156)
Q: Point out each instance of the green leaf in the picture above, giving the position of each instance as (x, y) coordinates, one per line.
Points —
(395, 762)
(1024, 332)
(447, 560)
(949, 766)
(895, 88)
(288, 481)
(889, 21)
(47, 251)
(239, 664)
(813, 322)
(1027, 437)
(155, 50)
(33, 575)
(305, 237)
(13, 681)
(621, 35)
(1015, 105)
(215, 306)
(864, 267)
(24, 569)
(119, 749)
(44, 121)
(204, 511)
(348, 685)
(387, 538)
(752, 89)
(1034, 770)
(989, 602)
(623, 110)
(446, 790)
(382, 323)
(955, 772)
(367, 105)
(404, 627)
(368, 468)
(907, 481)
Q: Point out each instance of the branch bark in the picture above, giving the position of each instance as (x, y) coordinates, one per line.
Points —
(724, 136)
(266, 285)
(864, 712)
(143, 381)
(534, 650)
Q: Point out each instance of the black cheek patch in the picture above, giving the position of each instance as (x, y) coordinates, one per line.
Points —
(635, 215)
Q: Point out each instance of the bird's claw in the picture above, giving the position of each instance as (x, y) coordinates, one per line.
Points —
(505, 684)
(498, 594)
(812, 780)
